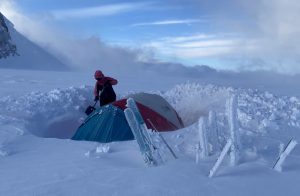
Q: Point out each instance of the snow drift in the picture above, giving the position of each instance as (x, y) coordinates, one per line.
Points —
(58, 112)
(266, 122)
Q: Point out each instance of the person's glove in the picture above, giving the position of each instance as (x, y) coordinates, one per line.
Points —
(96, 98)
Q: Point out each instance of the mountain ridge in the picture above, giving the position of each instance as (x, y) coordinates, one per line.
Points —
(29, 55)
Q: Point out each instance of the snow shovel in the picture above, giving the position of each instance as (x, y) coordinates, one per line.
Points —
(90, 109)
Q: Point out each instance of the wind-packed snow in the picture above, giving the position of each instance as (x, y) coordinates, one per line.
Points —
(33, 161)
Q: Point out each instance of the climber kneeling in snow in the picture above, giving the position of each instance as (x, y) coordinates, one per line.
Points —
(103, 89)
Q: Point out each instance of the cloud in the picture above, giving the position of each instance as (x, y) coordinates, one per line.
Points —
(91, 53)
(269, 33)
(206, 44)
(78, 53)
(103, 10)
(8, 8)
(194, 46)
(262, 34)
(193, 37)
(169, 22)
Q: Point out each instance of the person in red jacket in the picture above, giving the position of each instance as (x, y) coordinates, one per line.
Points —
(103, 88)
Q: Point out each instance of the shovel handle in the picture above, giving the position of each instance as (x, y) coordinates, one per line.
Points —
(95, 103)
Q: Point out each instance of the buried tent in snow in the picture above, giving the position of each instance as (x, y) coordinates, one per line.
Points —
(108, 123)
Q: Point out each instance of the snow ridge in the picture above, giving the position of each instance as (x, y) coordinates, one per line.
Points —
(257, 111)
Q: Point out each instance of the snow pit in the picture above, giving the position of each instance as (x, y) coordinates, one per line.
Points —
(62, 127)
(56, 114)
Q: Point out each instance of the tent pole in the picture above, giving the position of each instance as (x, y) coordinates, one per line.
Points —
(163, 139)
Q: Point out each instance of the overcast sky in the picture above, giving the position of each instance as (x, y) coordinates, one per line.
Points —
(231, 34)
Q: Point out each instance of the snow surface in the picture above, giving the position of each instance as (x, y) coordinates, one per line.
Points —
(39, 110)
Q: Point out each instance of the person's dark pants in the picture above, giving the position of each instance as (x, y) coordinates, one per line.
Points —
(107, 101)
(107, 96)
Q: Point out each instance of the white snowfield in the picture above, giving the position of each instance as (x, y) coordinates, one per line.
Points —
(39, 112)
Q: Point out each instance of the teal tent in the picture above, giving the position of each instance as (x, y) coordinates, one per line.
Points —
(106, 124)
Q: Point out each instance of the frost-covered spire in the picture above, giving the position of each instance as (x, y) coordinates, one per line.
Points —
(7, 48)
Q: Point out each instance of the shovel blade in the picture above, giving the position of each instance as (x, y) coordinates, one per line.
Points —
(89, 110)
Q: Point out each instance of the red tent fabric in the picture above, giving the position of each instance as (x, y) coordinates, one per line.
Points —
(157, 113)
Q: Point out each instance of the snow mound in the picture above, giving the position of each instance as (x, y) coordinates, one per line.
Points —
(193, 100)
(265, 121)
(257, 111)
(59, 112)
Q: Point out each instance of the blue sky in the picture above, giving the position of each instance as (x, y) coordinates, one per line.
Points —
(231, 34)
(119, 20)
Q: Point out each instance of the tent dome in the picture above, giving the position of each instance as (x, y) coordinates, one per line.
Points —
(108, 123)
